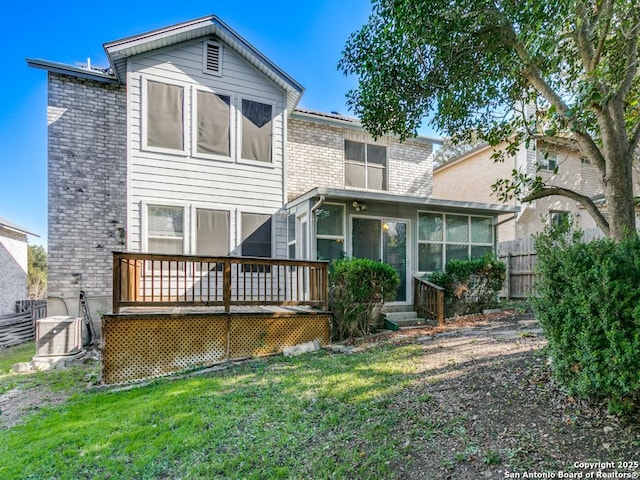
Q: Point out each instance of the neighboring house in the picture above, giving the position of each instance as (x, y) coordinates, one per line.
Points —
(191, 143)
(471, 175)
(13, 265)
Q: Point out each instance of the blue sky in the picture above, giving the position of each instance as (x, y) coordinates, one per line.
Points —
(304, 38)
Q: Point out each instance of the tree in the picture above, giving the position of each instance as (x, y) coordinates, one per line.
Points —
(37, 271)
(561, 72)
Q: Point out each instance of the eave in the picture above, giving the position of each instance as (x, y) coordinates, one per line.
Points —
(118, 51)
(410, 200)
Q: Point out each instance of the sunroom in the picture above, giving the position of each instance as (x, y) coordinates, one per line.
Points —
(415, 235)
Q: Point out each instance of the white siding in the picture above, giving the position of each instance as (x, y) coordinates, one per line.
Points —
(160, 178)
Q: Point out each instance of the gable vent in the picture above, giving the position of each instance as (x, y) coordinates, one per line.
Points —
(212, 61)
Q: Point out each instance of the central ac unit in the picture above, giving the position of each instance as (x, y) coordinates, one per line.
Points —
(57, 336)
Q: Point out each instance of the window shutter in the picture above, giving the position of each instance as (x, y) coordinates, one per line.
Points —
(212, 61)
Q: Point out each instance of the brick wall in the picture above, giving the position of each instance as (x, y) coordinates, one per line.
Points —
(316, 158)
(87, 189)
(13, 269)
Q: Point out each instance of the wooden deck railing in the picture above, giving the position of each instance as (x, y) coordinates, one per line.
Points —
(428, 300)
(151, 280)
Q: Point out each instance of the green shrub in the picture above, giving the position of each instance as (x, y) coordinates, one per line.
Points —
(470, 285)
(356, 288)
(588, 303)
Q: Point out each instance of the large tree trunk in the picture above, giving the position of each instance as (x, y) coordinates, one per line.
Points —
(618, 193)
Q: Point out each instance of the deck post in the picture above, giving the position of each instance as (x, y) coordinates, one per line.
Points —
(226, 285)
(440, 307)
(116, 283)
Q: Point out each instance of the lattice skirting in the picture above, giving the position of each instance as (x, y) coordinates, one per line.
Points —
(137, 347)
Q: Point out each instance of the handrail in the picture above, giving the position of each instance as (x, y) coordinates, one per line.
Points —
(161, 280)
(428, 299)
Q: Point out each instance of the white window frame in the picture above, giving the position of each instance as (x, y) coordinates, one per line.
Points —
(193, 207)
(144, 116)
(366, 164)
(204, 58)
(445, 240)
(291, 216)
(554, 212)
(256, 211)
(332, 237)
(232, 124)
(274, 115)
(144, 222)
(545, 162)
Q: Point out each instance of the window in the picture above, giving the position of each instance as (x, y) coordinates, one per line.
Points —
(165, 232)
(256, 235)
(213, 123)
(445, 237)
(164, 125)
(291, 235)
(256, 130)
(559, 217)
(365, 165)
(330, 231)
(212, 232)
(548, 161)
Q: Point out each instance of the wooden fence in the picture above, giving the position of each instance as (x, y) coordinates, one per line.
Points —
(19, 327)
(519, 256)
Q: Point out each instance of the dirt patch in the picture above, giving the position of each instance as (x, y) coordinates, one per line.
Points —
(17, 403)
(488, 408)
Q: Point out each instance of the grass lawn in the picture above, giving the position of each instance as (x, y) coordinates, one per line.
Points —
(320, 416)
(476, 401)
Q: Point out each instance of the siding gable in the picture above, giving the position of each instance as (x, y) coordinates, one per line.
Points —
(186, 177)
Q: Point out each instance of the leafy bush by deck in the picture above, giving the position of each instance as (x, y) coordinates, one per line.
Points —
(588, 302)
(470, 285)
(357, 287)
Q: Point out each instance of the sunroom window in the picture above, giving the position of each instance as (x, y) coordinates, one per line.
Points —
(445, 237)
(330, 231)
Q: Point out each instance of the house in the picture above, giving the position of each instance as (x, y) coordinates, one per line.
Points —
(470, 176)
(191, 142)
(13, 265)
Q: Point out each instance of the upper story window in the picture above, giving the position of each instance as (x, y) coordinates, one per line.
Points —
(559, 217)
(256, 130)
(213, 120)
(548, 161)
(365, 165)
(164, 126)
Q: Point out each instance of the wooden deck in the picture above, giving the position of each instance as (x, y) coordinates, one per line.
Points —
(179, 312)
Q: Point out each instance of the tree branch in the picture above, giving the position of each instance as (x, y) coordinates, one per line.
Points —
(607, 9)
(586, 202)
(631, 67)
(557, 141)
(582, 34)
(635, 140)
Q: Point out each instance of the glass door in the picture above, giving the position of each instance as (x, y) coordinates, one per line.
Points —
(382, 240)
